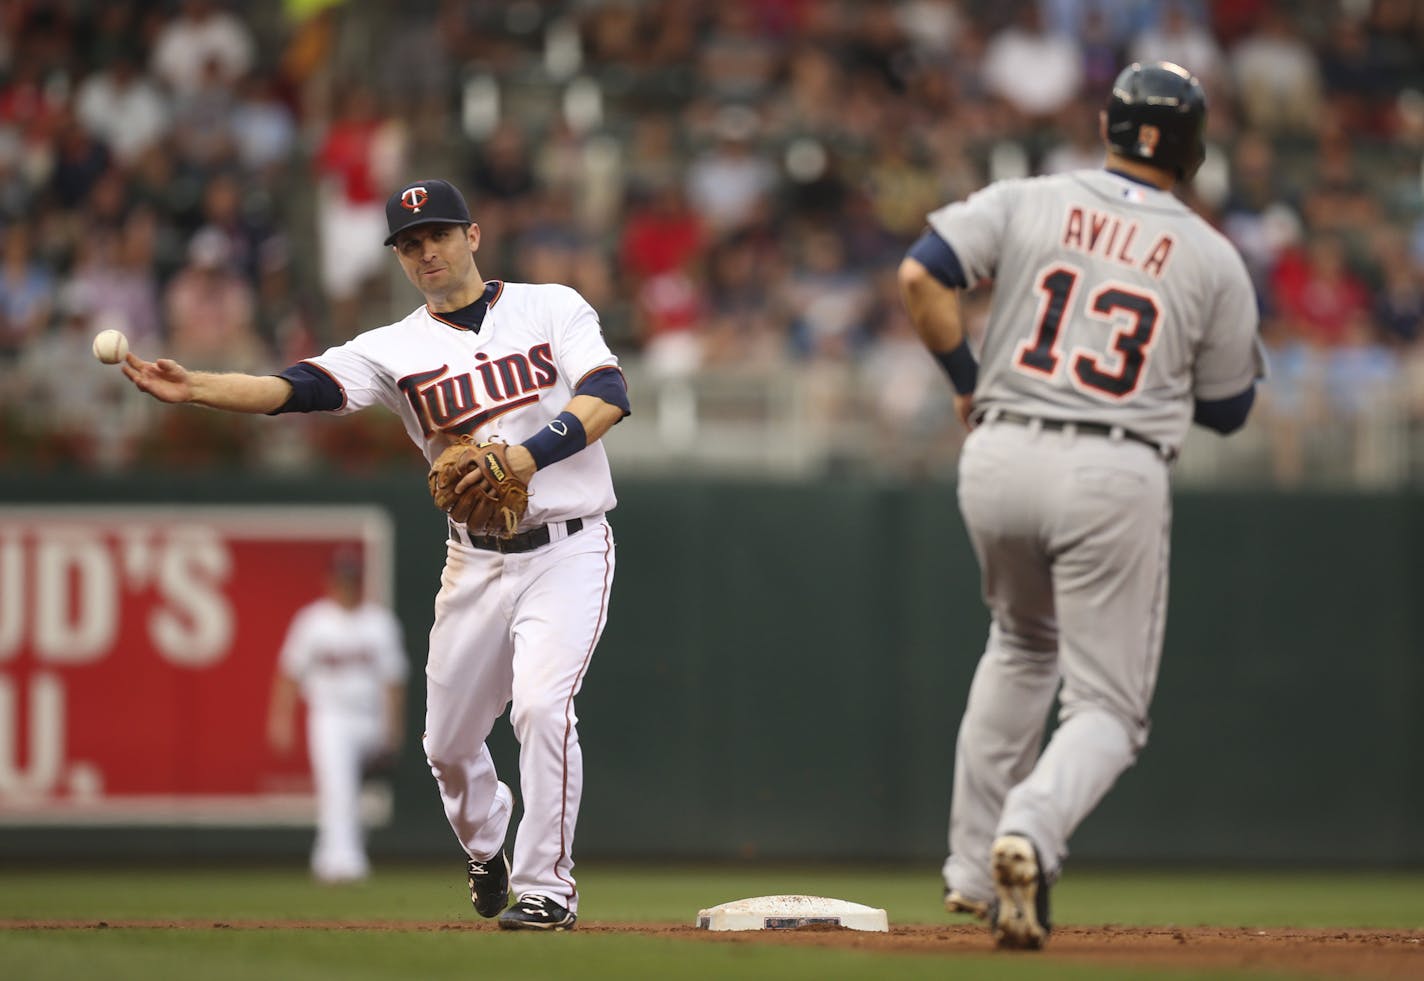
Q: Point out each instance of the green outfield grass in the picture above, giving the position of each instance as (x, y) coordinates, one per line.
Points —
(611, 893)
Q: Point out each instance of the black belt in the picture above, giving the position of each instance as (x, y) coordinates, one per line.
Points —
(1091, 428)
(525, 541)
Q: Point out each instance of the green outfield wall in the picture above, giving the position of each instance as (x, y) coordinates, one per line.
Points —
(785, 666)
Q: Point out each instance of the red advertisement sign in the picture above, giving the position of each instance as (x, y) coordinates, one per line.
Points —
(137, 651)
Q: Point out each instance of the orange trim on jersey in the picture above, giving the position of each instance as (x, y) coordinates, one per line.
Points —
(470, 424)
(569, 704)
(334, 380)
(602, 367)
(493, 300)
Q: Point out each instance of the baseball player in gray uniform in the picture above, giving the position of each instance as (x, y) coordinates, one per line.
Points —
(517, 618)
(1118, 318)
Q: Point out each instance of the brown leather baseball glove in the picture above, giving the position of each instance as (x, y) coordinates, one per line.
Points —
(491, 505)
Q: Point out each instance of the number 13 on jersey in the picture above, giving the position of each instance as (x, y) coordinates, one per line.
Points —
(1131, 313)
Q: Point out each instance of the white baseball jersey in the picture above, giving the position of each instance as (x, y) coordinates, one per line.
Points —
(1113, 302)
(506, 379)
(343, 659)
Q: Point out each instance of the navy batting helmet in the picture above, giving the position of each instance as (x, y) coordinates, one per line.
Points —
(1156, 114)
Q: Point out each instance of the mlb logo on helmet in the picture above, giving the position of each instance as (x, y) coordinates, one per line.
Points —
(425, 202)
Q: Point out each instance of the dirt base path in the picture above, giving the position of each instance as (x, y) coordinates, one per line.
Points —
(1373, 954)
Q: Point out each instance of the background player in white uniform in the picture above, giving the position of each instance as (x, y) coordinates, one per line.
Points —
(344, 655)
(1118, 317)
(515, 620)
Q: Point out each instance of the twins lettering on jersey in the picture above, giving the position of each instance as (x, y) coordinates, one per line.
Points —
(1111, 237)
(460, 403)
(336, 659)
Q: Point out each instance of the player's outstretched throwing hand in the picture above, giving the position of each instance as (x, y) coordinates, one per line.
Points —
(164, 379)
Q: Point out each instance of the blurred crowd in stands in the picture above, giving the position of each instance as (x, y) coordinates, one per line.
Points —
(731, 183)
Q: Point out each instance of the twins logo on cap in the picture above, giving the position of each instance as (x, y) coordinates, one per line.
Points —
(427, 201)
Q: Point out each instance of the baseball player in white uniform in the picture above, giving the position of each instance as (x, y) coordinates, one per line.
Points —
(345, 657)
(516, 620)
(1118, 318)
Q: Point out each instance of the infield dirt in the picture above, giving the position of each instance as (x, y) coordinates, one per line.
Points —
(1335, 953)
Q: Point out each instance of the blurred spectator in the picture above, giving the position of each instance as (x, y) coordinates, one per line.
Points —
(553, 249)
(1359, 84)
(1101, 50)
(1399, 295)
(79, 160)
(1177, 38)
(903, 188)
(1035, 71)
(226, 209)
(200, 45)
(362, 155)
(1276, 76)
(113, 272)
(813, 97)
(661, 232)
(729, 183)
(827, 299)
(502, 184)
(210, 310)
(877, 50)
(736, 61)
(1080, 147)
(742, 326)
(910, 404)
(744, 168)
(653, 158)
(668, 311)
(203, 133)
(284, 307)
(81, 406)
(263, 127)
(26, 288)
(1257, 215)
(1320, 300)
(1338, 199)
(123, 109)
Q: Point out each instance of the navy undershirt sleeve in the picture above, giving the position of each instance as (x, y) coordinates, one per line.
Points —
(607, 384)
(313, 390)
(1224, 415)
(936, 255)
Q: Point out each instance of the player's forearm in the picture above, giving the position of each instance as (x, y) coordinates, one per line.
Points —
(239, 392)
(932, 306)
(596, 415)
(582, 423)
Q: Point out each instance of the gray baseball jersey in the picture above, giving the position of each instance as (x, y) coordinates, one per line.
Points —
(1113, 302)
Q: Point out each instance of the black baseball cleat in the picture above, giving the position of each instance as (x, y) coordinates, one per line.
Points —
(1018, 918)
(489, 884)
(535, 912)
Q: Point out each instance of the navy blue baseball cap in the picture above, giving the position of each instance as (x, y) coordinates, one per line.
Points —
(432, 202)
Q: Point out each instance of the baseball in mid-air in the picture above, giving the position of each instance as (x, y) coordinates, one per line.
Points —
(110, 346)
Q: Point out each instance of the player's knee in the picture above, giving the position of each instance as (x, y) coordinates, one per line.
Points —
(1134, 728)
(541, 713)
(447, 757)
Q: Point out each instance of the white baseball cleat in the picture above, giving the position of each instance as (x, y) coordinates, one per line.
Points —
(1019, 917)
(957, 902)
